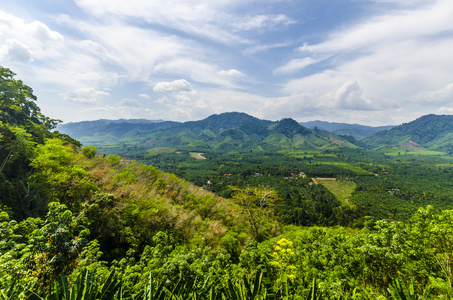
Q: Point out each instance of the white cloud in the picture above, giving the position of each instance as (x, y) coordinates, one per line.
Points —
(43, 33)
(384, 63)
(22, 38)
(395, 72)
(231, 73)
(94, 48)
(349, 96)
(264, 47)
(123, 112)
(405, 25)
(295, 65)
(129, 103)
(196, 70)
(52, 60)
(199, 18)
(15, 51)
(146, 96)
(211, 101)
(219, 21)
(446, 110)
(146, 53)
(176, 86)
(441, 96)
(135, 50)
(260, 21)
(405, 3)
(84, 95)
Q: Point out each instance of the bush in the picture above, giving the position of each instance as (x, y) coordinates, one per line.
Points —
(89, 151)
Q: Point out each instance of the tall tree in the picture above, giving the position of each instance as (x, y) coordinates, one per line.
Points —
(22, 126)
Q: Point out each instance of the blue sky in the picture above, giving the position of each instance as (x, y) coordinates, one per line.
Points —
(373, 62)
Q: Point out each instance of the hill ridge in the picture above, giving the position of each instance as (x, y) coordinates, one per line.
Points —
(230, 130)
(433, 132)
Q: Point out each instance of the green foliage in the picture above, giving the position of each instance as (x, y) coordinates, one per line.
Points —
(55, 247)
(89, 151)
(231, 244)
(84, 288)
(124, 177)
(18, 107)
(18, 142)
(58, 176)
(113, 159)
(22, 127)
(16, 100)
(256, 204)
(400, 291)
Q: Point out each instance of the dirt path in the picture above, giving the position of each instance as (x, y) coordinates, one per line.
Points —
(318, 180)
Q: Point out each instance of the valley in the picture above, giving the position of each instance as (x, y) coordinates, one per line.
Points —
(240, 150)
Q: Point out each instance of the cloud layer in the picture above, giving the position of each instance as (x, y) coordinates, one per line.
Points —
(376, 62)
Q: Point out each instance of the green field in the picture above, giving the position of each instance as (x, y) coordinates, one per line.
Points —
(347, 166)
(395, 151)
(340, 188)
(157, 151)
(305, 154)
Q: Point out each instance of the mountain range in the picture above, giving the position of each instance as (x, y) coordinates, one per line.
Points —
(356, 130)
(224, 131)
(234, 130)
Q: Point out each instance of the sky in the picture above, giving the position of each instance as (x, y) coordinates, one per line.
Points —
(371, 62)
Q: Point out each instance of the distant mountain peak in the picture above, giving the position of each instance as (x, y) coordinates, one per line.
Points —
(290, 127)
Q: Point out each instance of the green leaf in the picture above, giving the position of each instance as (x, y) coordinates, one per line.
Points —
(268, 283)
(284, 286)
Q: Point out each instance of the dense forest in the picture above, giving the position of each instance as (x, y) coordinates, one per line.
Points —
(79, 223)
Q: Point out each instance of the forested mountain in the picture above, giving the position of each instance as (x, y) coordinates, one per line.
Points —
(217, 132)
(104, 127)
(356, 130)
(430, 132)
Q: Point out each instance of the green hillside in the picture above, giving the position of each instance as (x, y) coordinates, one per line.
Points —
(427, 133)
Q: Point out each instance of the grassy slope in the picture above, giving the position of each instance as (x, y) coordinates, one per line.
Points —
(166, 202)
(429, 133)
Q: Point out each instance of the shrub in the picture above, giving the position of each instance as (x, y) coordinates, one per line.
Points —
(89, 151)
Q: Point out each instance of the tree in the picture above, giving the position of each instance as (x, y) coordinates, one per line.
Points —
(21, 120)
(256, 203)
(17, 102)
(17, 143)
(58, 176)
(22, 127)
